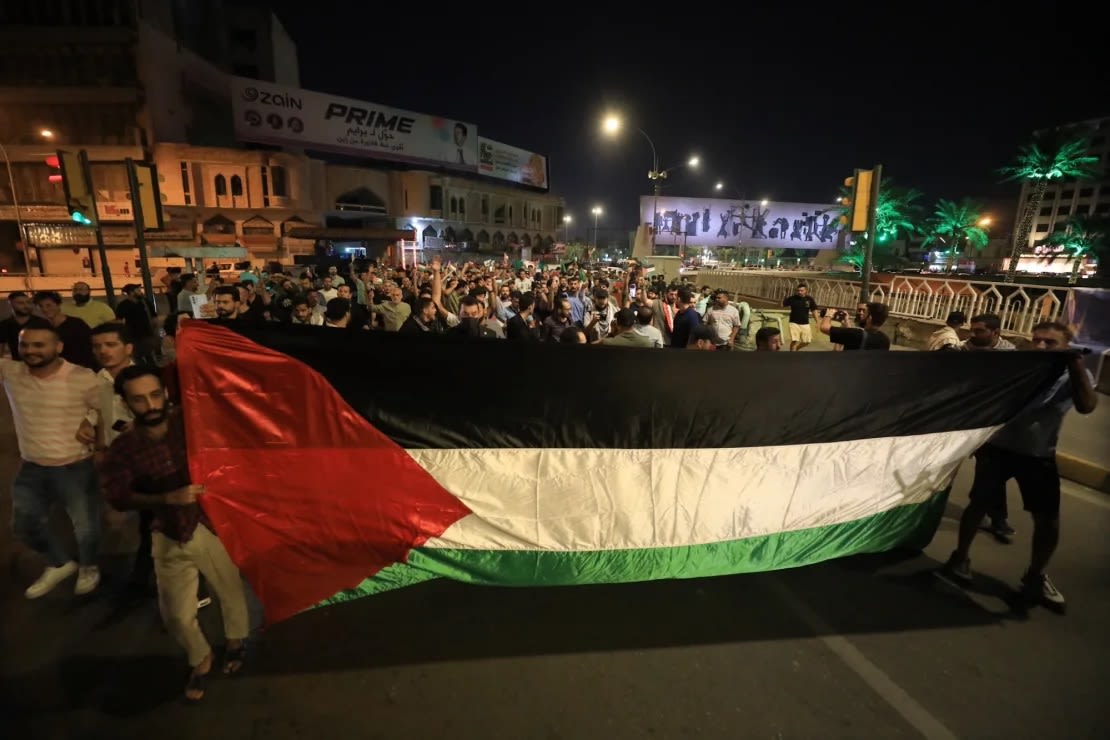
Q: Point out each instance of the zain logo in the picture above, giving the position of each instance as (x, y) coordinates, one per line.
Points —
(250, 94)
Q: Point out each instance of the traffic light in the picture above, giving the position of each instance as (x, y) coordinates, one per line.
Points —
(74, 174)
(858, 201)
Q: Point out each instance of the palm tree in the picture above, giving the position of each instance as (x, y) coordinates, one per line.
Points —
(957, 226)
(1040, 165)
(896, 214)
(1083, 236)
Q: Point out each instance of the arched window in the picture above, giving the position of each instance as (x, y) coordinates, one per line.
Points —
(236, 186)
(280, 184)
(221, 185)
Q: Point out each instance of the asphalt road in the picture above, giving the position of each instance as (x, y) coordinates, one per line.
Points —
(862, 647)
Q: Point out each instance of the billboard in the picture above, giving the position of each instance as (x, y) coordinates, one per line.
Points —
(509, 163)
(289, 116)
(717, 222)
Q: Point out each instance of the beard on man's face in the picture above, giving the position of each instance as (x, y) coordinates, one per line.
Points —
(151, 418)
(39, 359)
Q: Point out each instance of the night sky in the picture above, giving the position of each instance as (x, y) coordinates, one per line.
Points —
(776, 105)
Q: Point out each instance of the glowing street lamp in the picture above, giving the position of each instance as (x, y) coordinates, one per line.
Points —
(46, 134)
(612, 125)
(566, 227)
(719, 186)
(985, 221)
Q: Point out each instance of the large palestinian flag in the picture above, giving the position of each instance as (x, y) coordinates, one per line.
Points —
(340, 465)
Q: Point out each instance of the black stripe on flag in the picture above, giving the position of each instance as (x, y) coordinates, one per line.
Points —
(442, 393)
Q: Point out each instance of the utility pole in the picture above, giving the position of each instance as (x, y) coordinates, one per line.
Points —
(101, 252)
(143, 181)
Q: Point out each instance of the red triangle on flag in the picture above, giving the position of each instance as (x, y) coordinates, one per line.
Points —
(306, 495)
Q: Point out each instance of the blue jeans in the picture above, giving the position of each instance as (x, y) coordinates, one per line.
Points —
(37, 488)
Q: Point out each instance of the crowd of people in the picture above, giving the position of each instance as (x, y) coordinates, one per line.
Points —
(97, 427)
(568, 304)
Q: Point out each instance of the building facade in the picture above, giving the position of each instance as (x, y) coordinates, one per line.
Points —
(149, 80)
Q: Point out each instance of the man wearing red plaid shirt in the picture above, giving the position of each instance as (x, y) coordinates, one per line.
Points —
(146, 468)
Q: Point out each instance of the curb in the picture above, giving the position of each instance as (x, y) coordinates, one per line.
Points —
(1083, 472)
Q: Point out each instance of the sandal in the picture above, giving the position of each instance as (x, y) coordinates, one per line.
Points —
(235, 659)
(197, 682)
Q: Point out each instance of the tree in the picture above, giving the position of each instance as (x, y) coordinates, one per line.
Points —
(957, 226)
(574, 252)
(1039, 165)
(1083, 237)
(896, 214)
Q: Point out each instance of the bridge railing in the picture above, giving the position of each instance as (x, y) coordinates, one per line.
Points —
(1019, 305)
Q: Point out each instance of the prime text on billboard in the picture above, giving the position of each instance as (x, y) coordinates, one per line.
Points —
(274, 114)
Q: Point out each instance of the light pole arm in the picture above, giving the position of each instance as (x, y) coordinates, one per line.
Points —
(18, 216)
(654, 156)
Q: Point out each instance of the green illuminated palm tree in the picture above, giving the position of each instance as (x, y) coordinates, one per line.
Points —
(1040, 165)
(957, 226)
(896, 214)
(1084, 237)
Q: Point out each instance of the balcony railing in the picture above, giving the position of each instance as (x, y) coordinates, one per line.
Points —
(1020, 306)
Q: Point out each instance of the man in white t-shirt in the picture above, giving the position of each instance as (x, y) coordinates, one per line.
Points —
(50, 398)
(724, 318)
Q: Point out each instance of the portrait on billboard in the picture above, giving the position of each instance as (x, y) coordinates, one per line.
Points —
(511, 163)
(460, 143)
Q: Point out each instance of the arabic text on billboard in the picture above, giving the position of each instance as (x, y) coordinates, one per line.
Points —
(509, 163)
(714, 222)
(275, 114)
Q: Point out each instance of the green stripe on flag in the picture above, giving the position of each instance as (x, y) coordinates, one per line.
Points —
(910, 526)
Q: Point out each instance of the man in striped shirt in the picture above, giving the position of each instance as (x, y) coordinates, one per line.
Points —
(49, 398)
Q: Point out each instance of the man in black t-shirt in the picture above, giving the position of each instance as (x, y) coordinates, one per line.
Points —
(10, 327)
(801, 306)
(866, 335)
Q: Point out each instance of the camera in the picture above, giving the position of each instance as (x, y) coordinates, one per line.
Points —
(840, 316)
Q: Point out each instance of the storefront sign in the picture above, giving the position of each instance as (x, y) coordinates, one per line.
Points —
(274, 114)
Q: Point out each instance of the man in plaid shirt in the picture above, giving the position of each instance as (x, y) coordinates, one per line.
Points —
(147, 468)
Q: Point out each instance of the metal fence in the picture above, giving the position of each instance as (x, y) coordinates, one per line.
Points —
(1020, 305)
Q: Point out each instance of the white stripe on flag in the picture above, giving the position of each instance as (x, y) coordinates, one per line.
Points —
(602, 499)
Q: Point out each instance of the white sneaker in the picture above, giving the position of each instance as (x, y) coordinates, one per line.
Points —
(50, 578)
(88, 578)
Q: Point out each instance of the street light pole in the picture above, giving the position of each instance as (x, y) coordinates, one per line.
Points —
(654, 176)
(18, 218)
(597, 213)
(566, 228)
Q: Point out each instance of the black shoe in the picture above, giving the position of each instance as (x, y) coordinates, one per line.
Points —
(1002, 530)
(957, 570)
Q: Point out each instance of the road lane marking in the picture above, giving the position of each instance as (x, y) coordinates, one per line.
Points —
(894, 695)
